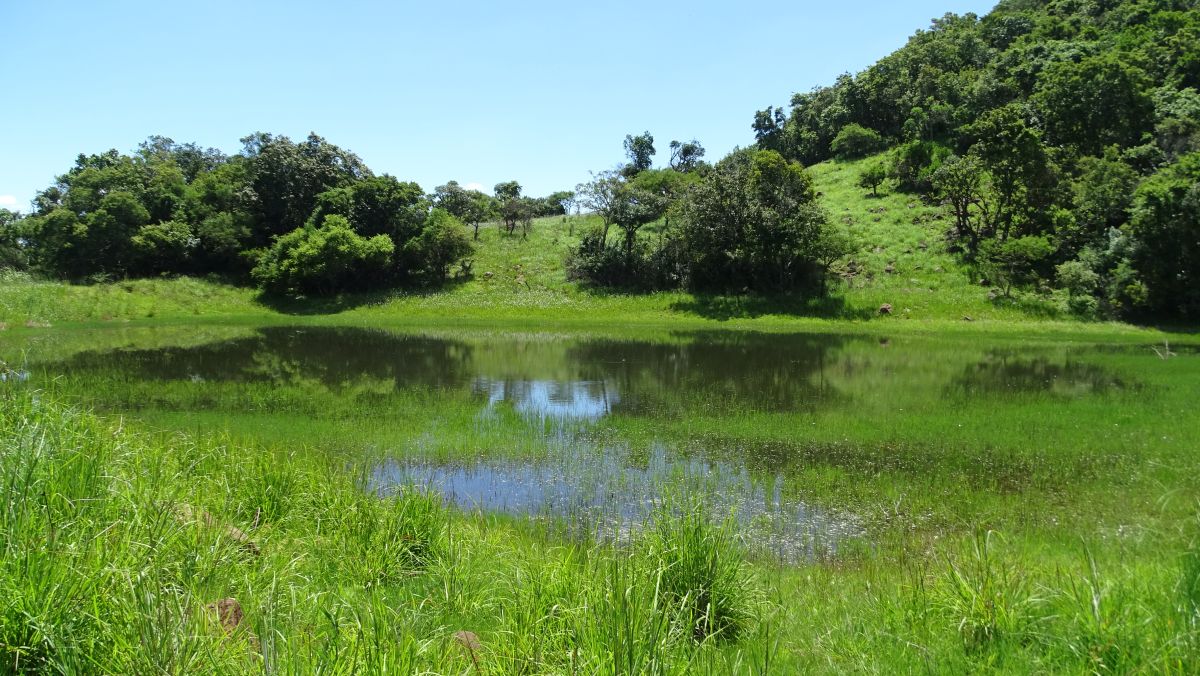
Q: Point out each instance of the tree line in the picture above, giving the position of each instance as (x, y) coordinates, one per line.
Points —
(301, 217)
(1061, 134)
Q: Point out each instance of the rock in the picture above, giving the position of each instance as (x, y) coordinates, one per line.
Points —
(229, 613)
(885, 309)
(939, 269)
(890, 268)
(967, 318)
(488, 275)
(877, 250)
(922, 246)
(471, 644)
(992, 295)
(188, 515)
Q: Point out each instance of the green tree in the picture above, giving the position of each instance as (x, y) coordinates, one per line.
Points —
(285, 179)
(442, 243)
(640, 151)
(1165, 228)
(1014, 262)
(164, 247)
(963, 184)
(324, 260)
(855, 140)
(753, 222)
(686, 156)
(1095, 102)
(873, 176)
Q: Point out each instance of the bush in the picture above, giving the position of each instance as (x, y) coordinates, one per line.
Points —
(641, 268)
(164, 247)
(913, 164)
(855, 140)
(443, 242)
(324, 260)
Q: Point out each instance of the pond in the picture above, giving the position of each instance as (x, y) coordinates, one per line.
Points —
(597, 430)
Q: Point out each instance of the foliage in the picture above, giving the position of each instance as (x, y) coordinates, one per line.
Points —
(686, 156)
(640, 151)
(855, 141)
(179, 209)
(1059, 109)
(324, 259)
(1166, 227)
(442, 243)
(1014, 262)
(753, 222)
(872, 177)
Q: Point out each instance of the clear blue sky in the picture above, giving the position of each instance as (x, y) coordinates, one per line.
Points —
(478, 92)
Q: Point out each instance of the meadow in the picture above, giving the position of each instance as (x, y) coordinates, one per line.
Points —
(721, 484)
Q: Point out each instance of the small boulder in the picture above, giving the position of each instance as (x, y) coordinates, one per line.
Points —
(471, 644)
(890, 268)
(885, 309)
(228, 613)
(188, 515)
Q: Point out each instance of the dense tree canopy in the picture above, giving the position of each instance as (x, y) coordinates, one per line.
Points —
(1058, 133)
(304, 217)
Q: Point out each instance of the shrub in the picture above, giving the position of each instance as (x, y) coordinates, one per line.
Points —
(443, 242)
(324, 260)
(855, 140)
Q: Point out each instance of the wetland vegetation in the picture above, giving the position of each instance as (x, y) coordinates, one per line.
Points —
(909, 386)
(643, 500)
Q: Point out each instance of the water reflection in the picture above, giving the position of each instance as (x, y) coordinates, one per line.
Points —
(1009, 372)
(566, 379)
(580, 400)
(605, 491)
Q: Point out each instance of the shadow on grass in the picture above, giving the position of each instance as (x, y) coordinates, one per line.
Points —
(723, 308)
(343, 302)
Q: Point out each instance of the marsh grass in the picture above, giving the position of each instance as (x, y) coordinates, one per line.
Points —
(99, 575)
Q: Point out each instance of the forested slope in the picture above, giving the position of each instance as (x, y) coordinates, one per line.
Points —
(1063, 136)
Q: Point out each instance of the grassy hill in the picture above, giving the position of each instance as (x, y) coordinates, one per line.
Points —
(899, 259)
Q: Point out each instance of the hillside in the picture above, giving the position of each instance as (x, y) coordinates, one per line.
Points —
(1063, 135)
(899, 258)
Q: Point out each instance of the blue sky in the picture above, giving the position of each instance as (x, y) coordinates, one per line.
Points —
(478, 92)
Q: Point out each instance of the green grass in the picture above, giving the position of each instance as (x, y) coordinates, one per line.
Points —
(99, 574)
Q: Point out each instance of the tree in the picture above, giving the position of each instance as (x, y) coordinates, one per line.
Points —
(164, 247)
(601, 195)
(872, 177)
(1165, 228)
(1023, 179)
(442, 243)
(1014, 262)
(13, 241)
(753, 222)
(686, 156)
(324, 260)
(453, 198)
(513, 209)
(962, 183)
(1097, 101)
(855, 140)
(287, 177)
(640, 151)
